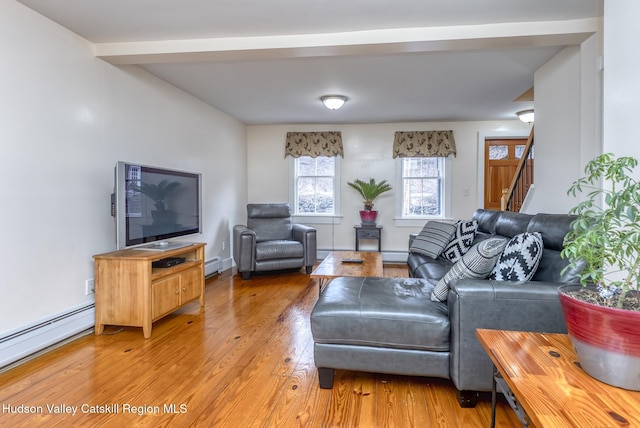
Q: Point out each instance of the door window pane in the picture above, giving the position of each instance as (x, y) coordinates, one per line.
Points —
(498, 152)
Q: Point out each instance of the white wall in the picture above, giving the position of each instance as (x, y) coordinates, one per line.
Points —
(557, 131)
(368, 153)
(67, 117)
(567, 129)
(621, 77)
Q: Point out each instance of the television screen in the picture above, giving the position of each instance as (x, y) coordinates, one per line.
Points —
(155, 204)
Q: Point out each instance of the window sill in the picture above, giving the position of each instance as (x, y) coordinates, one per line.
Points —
(417, 221)
(316, 219)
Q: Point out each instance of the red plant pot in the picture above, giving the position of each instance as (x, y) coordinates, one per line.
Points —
(368, 218)
(606, 340)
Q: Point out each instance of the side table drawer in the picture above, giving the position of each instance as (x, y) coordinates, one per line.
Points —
(371, 233)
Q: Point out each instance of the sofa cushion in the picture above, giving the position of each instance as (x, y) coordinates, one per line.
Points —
(421, 266)
(511, 223)
(552, 227)
(476, 264)
(433, 238)
(486, 220)
(552, 267)
(280, 249)
(381, 312)
(462, 240)
(270, 221)
(519, 259)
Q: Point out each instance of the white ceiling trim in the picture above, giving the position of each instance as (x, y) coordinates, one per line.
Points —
(401, 40)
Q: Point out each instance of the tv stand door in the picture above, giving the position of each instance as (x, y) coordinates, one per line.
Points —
(165, 297)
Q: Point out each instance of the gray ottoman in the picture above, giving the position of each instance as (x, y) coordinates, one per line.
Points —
(381, 325)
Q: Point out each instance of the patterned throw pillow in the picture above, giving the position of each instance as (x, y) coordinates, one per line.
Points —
(520, 258)
(433, 238)
(462, 240)
(476, 263)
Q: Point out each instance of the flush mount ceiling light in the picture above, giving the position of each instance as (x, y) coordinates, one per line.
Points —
(525, 115)
(333, 102)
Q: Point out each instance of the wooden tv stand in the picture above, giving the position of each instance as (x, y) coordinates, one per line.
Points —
(130, 292)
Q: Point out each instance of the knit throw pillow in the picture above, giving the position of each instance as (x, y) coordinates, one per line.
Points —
(520, 258)
(462, 240)
(477, 263)
(433, 238)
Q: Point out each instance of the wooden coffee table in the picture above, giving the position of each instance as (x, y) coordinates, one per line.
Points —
(539, 370)
(333, 266)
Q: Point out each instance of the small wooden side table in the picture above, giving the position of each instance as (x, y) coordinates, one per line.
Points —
(368, 232)
(541, 371)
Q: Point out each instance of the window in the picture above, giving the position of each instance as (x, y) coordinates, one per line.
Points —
(315, 185)
(422, 183)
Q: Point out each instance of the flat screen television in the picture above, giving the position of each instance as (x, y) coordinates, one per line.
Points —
(152, 205)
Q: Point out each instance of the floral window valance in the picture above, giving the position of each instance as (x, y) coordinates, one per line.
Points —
(409, 144)
(314, 144)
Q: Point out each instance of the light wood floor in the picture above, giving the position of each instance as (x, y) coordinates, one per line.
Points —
(246, 360)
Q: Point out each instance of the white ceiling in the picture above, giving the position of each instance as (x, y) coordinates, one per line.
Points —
(267, 62)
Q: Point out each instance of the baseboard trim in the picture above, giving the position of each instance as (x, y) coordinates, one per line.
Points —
(33, 338)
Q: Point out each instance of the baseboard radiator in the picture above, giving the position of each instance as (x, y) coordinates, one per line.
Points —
(213, 266)
(35, 337)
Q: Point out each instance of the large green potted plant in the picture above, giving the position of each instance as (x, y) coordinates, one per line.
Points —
(603, 313)
(369, 190)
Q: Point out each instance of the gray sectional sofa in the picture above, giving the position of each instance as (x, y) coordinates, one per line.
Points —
(391, 325)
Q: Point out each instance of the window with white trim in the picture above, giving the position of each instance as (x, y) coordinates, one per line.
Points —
(423, 183)
(315, 185)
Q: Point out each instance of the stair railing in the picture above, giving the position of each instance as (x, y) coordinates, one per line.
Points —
(513, 197)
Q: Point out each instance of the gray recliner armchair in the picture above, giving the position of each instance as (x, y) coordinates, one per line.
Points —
(271, 241)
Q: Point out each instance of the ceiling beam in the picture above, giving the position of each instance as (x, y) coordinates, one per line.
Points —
(404, 40)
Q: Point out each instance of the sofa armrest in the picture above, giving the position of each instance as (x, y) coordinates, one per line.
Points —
(307, 236)
(498, 305)
(244, 248)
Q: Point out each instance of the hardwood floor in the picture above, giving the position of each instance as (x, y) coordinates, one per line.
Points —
(246, 360)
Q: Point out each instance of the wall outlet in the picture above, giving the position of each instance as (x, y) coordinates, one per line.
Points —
(89, 287)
